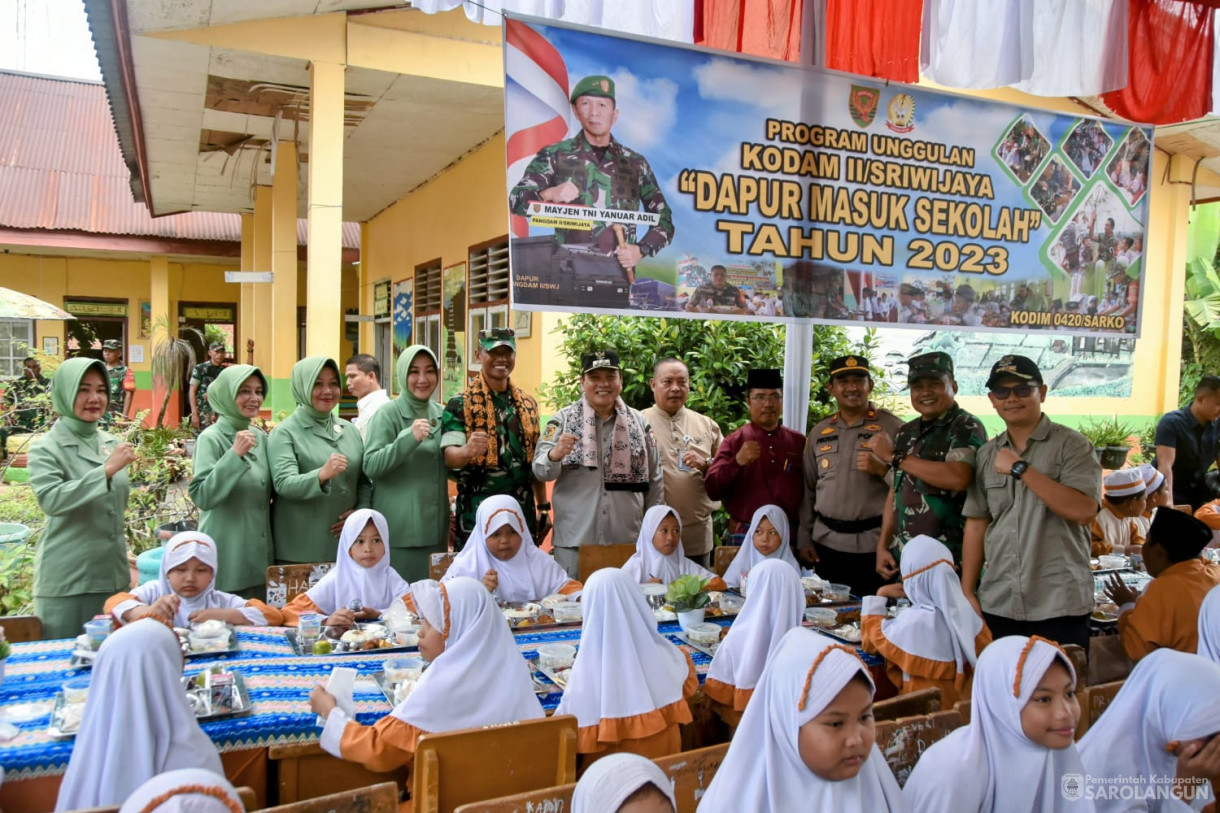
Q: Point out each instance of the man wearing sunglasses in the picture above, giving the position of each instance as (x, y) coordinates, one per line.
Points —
(1036, 490)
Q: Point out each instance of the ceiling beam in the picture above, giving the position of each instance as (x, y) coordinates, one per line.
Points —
(322, 37)
(417, 54)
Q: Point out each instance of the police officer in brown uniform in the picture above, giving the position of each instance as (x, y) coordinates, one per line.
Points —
(845, 489)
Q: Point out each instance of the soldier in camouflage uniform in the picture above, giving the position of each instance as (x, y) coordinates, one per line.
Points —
(121, 381)
(593, 169)
(717, 293)
(202, 376)
(491, 405)
(931, 461)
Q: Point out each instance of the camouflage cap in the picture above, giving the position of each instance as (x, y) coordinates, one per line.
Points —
(112, 344)
(498, 337)
(216, 346)
(594, 86)
(935, 363)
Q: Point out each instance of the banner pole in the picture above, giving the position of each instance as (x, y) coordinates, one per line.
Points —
(798, 369)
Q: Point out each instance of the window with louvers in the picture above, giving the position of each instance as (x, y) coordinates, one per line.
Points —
(488, 281)
(428, 289)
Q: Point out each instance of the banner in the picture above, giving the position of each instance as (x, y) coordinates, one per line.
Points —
(663, 179)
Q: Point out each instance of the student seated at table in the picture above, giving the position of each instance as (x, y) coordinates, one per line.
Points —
(1162, 724)
(1209, 512)
(1020, 740)
(1120, 522)
(807, 740)
(629, 685)
(1155, 493)
(362, 571)
(659, 557)
(935, 642)
(1167, 614)
(621, 782)
(184, 594)
(766, 538)
(775, 605)
(136, 722)
(502, 555)
(186, 790)
(477, 677)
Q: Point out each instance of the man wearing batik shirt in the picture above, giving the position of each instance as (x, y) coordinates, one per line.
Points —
(931, 461)
(489, 433)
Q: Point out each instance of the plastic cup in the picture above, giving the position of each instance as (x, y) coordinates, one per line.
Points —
(97, 630)
(556, 656)
(309, 628)
(76, 690)
(821, 617)
(401, 670)
(838, 592)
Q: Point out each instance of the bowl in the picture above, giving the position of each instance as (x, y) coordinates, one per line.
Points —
(822, 617)
(207, 643)
(1109, 562)
(705, 633)
(401, 670)
(407, 636)
(209, 629)
(519, 611)
(566, 612)
(76, 690)
(556, 656)
(731, 604)
(838, 592)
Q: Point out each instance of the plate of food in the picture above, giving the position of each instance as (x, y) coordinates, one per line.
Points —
(526, 614)
(361, 639)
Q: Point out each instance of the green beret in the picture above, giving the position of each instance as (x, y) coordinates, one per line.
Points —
(594, 86)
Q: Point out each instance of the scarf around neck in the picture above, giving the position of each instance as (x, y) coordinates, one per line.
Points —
(479, 414)
(625, 464)
(64, 385)
(222, 394)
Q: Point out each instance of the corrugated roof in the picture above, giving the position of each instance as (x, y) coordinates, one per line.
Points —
(61, 169)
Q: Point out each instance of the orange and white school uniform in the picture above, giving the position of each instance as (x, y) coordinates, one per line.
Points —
(1166, 615)
(749, 556)
(990, 765)
(763, 769)
(180, 549)
(378, 586)
(1209, 514)
(775, 605)
(935, 642)
(529, 576)
(629, 685)
(479, 680)
(649, 563)
(1110, 532)
(1209, 626)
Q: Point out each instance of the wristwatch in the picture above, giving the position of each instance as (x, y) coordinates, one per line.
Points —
(544, 506)
(896, 460)
(1018, 469)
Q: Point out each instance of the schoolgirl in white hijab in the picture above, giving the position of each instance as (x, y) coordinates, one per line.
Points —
(776, 604)
(629, 685)
(648, 563)
(934, 642)
(1209, 626)
(206, 604)
(136, 723)
(749, 554)
(992, 765)
(187, 790)
(526, 575)
(1166, 706)
(377, 586)
(480, 679)
(610, 781)
(768, 763)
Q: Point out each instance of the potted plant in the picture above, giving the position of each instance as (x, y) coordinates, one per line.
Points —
(688, 596)
(1110, 440)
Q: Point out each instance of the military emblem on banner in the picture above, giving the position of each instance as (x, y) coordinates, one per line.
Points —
(900, 114)
(862, 103)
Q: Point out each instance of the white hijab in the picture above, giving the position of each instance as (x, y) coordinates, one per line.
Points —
(624, 667)
(763, 769)
(377, 587)
(940, 624)
(480, 679)
(528, 576)
(775, 605)
(649, 563)
(1169, 696)
(749, 556)
(181, 548)
(1209, 626)
(137, 723)
(187, 790)
(990, 766)
(613, 778)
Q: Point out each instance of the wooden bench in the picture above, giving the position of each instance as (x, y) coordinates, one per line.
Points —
(556, 799)
(438, 565)
(692, 772)
(286, 582)
(902, 742)
(1093, 701)
(963, 708)
(20, 629)
(381, 798)
(306, 772)
(924, 701)
(1080, 662)
(723, 557)
(595, 557)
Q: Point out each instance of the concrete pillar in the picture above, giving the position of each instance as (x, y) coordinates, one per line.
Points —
(245, 305)
(323, 303)
(263, 318)
(284, 287)
(365, 274)
(158, 294)
(1163, 290)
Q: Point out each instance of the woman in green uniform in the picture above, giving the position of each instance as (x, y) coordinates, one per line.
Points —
(232, 482)
(405, 463)
(79, 476)
(315, 467)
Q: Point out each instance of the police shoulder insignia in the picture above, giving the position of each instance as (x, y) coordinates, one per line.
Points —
(873, 427)
(825, 462)
(826, 447)
(828, 430)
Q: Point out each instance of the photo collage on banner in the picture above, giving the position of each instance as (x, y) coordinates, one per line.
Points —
(646, 178)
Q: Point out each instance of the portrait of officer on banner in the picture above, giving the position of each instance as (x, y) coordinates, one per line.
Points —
(603, 203)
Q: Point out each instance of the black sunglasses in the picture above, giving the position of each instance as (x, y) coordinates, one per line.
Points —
(1022, 391)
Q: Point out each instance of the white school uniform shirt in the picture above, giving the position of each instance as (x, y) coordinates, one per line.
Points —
(1209, 626)
(528, 576)
(377, 587)
(749, 556)
(367, 407)
(180, 549)
(610, 780)
(137, 723)
(990, 766)
(649, 563)
(1169, 696)
(763, 769)
(187, 790)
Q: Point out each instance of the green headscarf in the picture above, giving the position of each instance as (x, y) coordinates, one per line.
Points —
(304, 375)
(410, 406)
(222, 394)
(64, 385)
